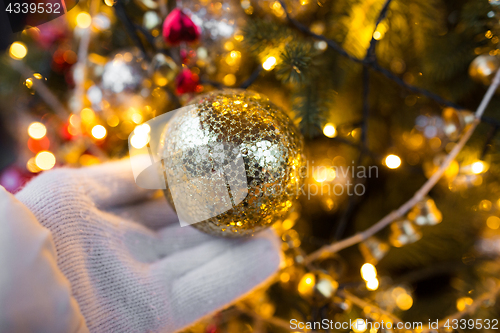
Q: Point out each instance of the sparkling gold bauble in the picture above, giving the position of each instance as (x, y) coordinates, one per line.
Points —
(246, 126)
(317, 287)
(483, 68)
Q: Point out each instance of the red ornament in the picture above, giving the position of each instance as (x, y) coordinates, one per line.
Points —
(178, 27)
(186, 82)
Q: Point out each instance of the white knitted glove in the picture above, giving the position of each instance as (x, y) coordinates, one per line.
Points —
(130, 265)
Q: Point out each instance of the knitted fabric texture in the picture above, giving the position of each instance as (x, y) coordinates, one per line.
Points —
(130, 265)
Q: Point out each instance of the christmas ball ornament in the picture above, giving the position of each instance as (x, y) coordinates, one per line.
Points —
(456, 121)
(317, 287)
(483, 68)
(425, 212)
(178, 27)
(403, 232)
(186, 82)
(231, 160)
(373, 250)
(123, 73)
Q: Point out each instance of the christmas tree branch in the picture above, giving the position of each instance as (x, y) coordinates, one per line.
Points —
(419, 195)
(489, 296)
(368, 62)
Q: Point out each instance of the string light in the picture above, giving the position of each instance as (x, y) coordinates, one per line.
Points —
(98, 132)
(368, 272)
(269, 63)
(329, 130)
(83, 20)
(37, 130)
(359, 325)
(18, 50)
(477, 167)
(393, 161)
(372, 284)
(45, 160)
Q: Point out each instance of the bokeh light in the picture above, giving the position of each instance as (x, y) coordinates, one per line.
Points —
(18, 50)
(269, 63)
(329, 130)
(393, 161)
(37, 130)
(99, 132)
(83, 20)
(45, 160)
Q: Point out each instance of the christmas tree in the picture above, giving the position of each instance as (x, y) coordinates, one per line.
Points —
(398, 219)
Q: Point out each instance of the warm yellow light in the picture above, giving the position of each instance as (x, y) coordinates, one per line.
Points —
(142, 129)
(31, 166)
(368, 272)
(285, 277)
(98, 132)
(18, 50)
(269, 63)
(477, 167)
(463, 303)
(404, 301)
(493, 222)
(377, 35)
(229, 79)
(87, 115)
(138, 141)
(329, 130)
(83, 20)
(393, 161)
(359, 325)
(37, 130)
(109, 3)
(45, 160)
(372, 284)
(137, 118)
(306, 282)
(113, 120)
(29, 83)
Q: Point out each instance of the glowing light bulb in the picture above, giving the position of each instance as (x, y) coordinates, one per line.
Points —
(98, 132)
(37, 130)
(477, 167)
(358, 325)
(83, 20)
(18, 50)
(45, 160)
(329, 130)
(377, 35)
(269, 63)
(368, 272)
(393, 161)
(372, 284)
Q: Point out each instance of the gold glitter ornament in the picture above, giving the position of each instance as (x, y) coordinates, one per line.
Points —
(317, 287)
(244, 125)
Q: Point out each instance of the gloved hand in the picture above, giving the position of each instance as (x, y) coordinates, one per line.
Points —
(130, 266)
